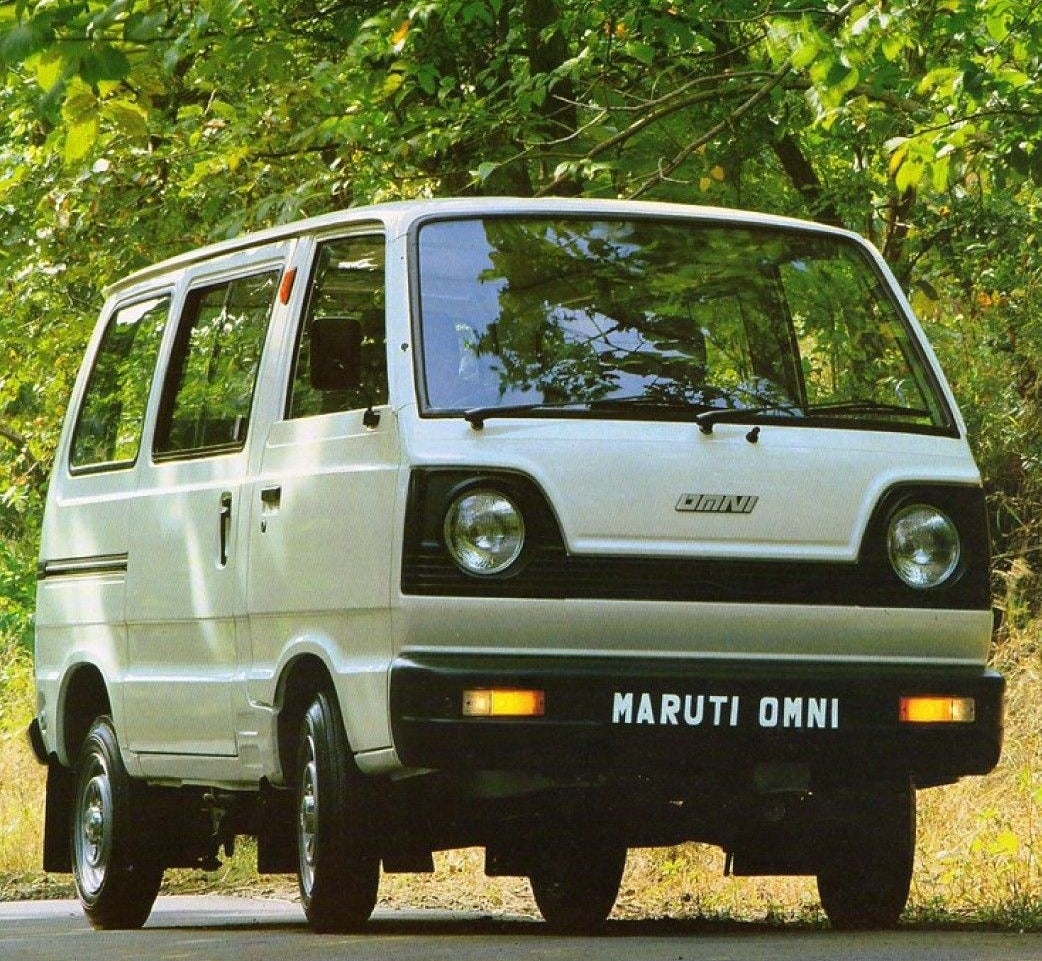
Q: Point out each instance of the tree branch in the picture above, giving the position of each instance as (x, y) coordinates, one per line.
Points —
(666, 170)
(649, 119)
(805, 179)
(36, 469)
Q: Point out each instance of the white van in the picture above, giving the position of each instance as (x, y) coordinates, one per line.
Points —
(552, 527)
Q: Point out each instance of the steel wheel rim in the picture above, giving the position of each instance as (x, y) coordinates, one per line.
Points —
(307, 819)
(94, 825)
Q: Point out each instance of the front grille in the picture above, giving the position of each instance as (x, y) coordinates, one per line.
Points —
(547, 570)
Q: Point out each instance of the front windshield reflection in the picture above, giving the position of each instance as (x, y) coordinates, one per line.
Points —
(548, 313)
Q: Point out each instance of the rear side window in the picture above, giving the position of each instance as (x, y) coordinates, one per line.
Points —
(208, 392)
(108, 430)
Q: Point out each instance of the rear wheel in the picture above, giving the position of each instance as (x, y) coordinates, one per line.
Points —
(116, 876)
(338, 870)
(577, 882)
(866, 880)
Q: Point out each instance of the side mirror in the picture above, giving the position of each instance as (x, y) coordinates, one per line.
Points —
(336, 353)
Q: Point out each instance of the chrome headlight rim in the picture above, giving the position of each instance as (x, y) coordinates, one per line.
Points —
(923, 545)
(497, 548)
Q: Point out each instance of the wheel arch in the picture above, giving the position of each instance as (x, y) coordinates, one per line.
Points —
(302, 678)
(85, 697)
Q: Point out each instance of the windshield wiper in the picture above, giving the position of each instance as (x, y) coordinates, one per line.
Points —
(702, 414)
(866, 407)
(740, 415)
(477, 416)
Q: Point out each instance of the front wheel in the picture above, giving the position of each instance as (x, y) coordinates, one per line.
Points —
(339, 872)
(116, 877)
(865, 881)
(576, 883)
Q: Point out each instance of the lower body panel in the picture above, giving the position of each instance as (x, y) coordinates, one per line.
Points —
(670, 718)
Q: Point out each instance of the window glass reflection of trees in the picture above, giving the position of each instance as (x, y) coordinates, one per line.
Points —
(108, 430)
(556, 311)
(853, 347)
(214, 367)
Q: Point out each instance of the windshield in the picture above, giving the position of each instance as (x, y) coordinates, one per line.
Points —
(645, 316)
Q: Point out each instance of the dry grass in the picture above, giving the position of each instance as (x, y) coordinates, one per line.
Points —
(21, 779)
(980, 839)
(976, 856)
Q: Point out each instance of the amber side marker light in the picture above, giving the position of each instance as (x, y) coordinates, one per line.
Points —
(937, 710)
(502, 703)
(286, 287)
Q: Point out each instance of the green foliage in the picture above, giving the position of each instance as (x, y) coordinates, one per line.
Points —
(133, 129)
(17, 590)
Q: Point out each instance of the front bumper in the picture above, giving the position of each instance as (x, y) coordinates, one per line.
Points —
(671, 717)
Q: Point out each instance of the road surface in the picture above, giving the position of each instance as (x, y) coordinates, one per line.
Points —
(218, 928)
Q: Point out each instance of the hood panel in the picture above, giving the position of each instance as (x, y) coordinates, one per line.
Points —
(667, 490)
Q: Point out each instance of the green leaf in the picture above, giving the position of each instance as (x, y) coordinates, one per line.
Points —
(49, 68)
(427, 78)
(842, 78)
(224, 110)
(80, 138)
(940, 173)
(893, 46)
(104, 62)
(942, 80)
(909, 174)
(172, 57)
(997, 26)
(641, 52)
(80, 102)
(1015, 78)
(105, 18)
(130, 117)
(24, 40)
(392, 83)
(805, 54)
(144, 27)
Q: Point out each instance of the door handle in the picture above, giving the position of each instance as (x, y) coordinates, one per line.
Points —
(225, 525)
(271, 500)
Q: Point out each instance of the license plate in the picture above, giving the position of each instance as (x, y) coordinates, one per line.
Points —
(768, 712)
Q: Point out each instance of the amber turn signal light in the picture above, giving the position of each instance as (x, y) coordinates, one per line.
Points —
(504, 703)
(934, 709)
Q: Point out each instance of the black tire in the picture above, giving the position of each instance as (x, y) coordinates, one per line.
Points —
(864, 884)
(338, 869)
(577, 883)
(116, 876)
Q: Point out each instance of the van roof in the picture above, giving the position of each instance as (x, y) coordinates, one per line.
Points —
(398, 216)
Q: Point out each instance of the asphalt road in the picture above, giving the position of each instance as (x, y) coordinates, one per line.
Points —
(219, 928)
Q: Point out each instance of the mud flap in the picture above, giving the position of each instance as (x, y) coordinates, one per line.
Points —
(57, 855)
(276, 835)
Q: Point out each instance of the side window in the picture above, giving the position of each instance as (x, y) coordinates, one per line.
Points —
(108, 429)
(208, 392)
(347, 283)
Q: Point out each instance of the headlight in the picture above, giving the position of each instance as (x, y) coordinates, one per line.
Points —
(484, 531)
(923, 544)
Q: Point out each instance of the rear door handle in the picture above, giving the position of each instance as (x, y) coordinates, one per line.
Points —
(225, 525)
